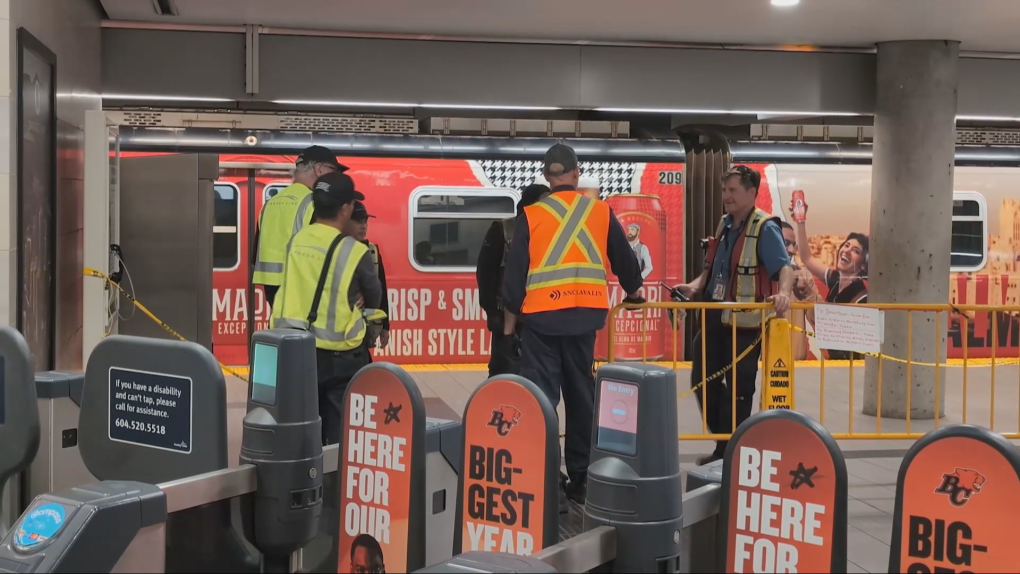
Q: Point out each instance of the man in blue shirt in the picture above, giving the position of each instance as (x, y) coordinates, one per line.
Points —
(719, 283)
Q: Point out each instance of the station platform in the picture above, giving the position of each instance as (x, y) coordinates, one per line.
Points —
(872, 464)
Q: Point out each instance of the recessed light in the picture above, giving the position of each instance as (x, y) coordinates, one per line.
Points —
(785, 3)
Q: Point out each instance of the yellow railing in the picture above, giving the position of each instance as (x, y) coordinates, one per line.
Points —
(907, 428)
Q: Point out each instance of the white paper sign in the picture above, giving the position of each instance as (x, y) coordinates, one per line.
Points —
(849, 328)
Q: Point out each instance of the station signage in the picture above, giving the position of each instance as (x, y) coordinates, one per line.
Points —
(508, 486)
(957, 499)
(382, 473)
(784, 497)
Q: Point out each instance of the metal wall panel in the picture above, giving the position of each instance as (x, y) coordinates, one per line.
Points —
(166, 232)
(989, 88)
(727, 80)
(144, 62)
(361, 70)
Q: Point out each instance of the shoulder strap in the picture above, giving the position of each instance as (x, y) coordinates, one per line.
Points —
(313, 314)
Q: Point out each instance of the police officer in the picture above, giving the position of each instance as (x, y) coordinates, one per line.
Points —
(503, 357)
(744, 261)
(556, 281)
(285, 214)
(326, 274)
(357, 228)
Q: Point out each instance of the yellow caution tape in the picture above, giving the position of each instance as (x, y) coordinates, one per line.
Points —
(89, 272)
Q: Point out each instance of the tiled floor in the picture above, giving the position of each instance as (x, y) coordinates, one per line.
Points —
(872, 465)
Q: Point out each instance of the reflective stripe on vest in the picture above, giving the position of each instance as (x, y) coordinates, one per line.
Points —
(338, 327)
(282, 216)
(567, 261)
(745, 288)
(374, 250)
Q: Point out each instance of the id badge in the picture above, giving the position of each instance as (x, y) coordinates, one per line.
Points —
(718, 291)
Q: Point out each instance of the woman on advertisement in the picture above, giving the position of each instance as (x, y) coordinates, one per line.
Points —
(847, 282)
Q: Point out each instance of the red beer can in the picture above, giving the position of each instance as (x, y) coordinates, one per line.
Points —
(639, 333)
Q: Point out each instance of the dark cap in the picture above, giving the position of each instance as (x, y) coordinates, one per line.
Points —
(337, 186)
(360, 212)
(319, 154)
(559, 160)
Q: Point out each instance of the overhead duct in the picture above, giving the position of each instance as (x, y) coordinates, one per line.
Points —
(165, 7)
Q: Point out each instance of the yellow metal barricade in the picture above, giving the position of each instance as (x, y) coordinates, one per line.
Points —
(824, 385)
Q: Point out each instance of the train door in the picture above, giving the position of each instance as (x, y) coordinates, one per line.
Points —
(167, 213)
(239, 308)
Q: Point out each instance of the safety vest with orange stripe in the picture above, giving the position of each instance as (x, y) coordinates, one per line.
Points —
(569, 233)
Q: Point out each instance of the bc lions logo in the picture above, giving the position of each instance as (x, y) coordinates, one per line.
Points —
(960, 485)
(503, 419)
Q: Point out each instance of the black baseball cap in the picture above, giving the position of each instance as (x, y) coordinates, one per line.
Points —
(360, 212)
(337, 186)
(559, 159)
(319, 154)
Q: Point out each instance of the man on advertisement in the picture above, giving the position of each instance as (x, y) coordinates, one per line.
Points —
(640, 249)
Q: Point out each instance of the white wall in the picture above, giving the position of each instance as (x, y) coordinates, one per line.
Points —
(71, 29)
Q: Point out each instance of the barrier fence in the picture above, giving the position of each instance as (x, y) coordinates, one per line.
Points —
(965, 390)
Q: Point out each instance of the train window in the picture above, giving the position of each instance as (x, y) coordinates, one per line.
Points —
(970, 232)
(448, 224)
(226, 236)
(271, 190)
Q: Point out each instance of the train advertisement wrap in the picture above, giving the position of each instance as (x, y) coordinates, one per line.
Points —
(640, 333)
(431, 245)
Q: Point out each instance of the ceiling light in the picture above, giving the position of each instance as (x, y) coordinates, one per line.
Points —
(149, 97)
(988, 118)
(728, 112)
(342, 104)
(785, 3)
(489, 107)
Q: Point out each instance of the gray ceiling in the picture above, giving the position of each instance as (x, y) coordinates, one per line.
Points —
(981, 25)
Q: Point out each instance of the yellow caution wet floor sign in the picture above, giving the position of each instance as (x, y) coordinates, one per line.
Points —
(777, 391)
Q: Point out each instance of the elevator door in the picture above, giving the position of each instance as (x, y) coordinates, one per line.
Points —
(166, 234)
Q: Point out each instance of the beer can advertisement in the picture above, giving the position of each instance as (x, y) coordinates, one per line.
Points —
(508, 501)
(640, 333)
(785, 503)
(380, 502)
(957, 505)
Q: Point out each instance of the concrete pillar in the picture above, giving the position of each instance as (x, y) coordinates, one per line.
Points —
(911, 214)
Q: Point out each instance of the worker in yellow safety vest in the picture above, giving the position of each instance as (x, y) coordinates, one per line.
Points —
(357, 227)
(746, 262)
(285, 214)
(555, 279)
(330, 289)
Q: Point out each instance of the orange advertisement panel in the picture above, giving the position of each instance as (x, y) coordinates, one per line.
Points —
(784, 485)
(508, 498)
(957, 502)
(382, 498)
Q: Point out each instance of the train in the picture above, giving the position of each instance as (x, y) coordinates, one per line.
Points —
(432, 211)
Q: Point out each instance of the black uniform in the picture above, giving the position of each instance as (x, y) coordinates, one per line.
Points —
(558, 347)
(384, 305)
(489, 273)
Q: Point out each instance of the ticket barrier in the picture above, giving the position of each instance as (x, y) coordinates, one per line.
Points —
(59, 465)
(635, 509)
(184, 524)
(19, 421)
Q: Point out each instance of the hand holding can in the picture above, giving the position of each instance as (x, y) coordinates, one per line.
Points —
(798, 206)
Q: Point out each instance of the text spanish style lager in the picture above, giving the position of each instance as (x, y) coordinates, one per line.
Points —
(639, 333)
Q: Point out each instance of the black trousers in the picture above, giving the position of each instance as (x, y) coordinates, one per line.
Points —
(718, 397)
(556, 364)
(335, 370)
(502, 360)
